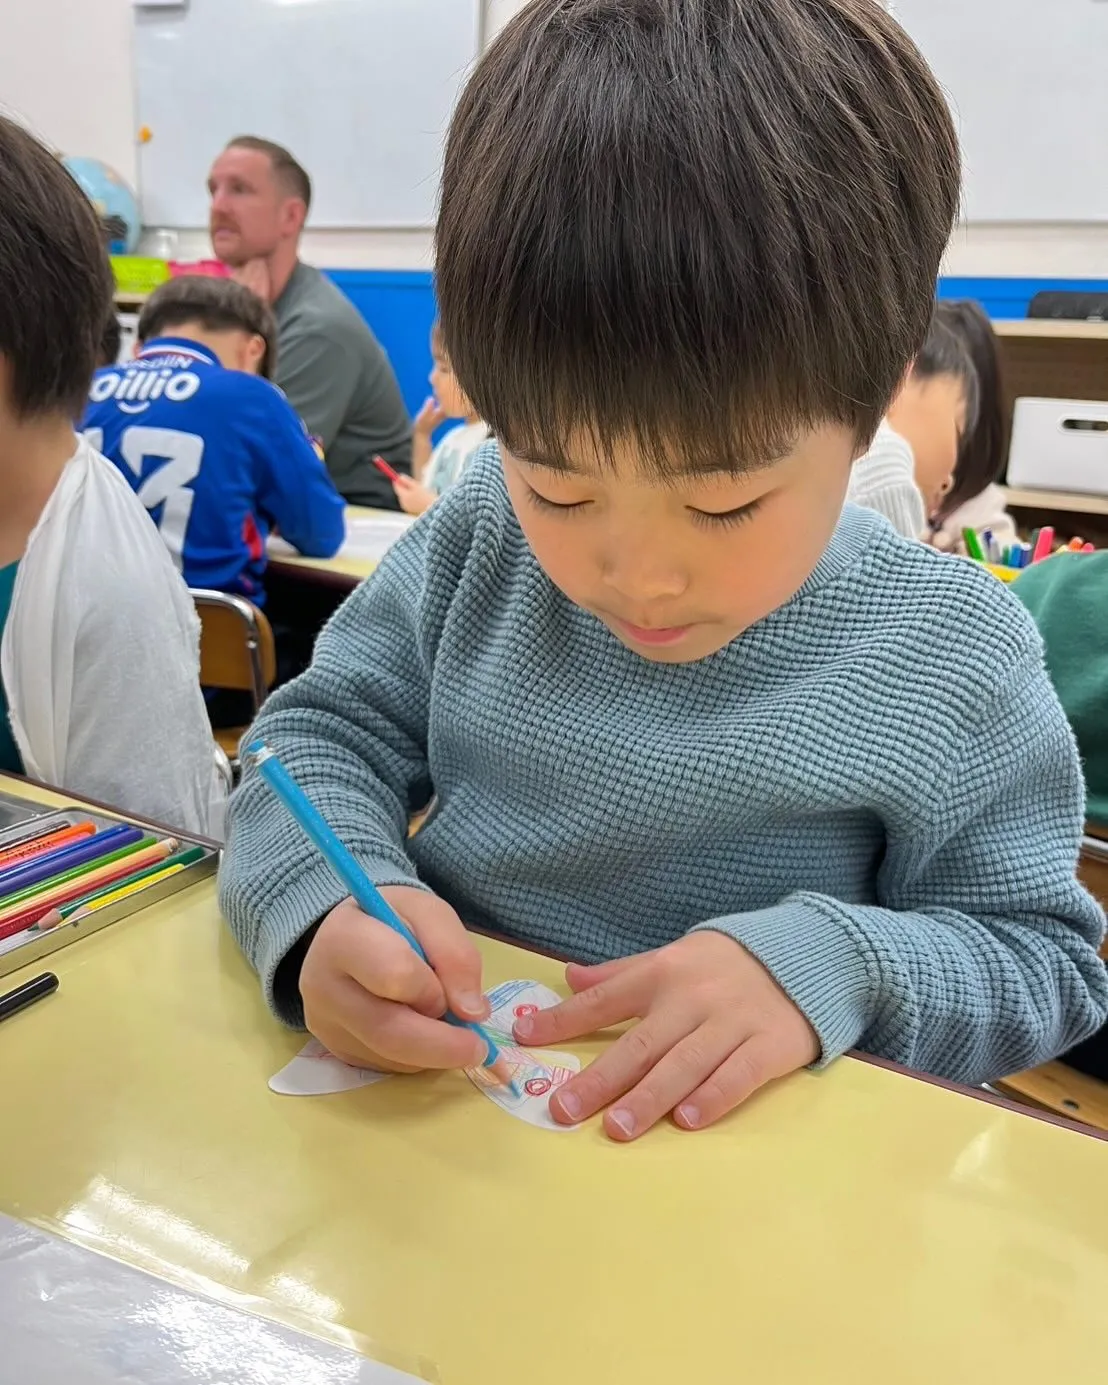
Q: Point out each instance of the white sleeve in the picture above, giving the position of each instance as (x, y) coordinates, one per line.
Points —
(139, 736)
(884, 480)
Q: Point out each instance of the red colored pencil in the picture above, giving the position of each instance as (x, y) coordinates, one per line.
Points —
(59, 836)
(385, 470)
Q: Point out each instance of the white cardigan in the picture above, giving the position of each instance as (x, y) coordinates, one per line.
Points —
(100, 657)
(885, 480)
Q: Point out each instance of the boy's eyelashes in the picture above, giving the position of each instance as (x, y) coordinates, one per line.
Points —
(706, 518)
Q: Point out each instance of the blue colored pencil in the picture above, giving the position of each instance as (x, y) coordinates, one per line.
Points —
(349, 872)
(63, 858)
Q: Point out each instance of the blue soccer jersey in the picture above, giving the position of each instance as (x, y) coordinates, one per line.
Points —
(219, 458)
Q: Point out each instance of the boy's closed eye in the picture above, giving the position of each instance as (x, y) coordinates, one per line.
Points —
(736, 514)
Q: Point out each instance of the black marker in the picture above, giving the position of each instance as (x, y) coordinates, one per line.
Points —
(25, 995)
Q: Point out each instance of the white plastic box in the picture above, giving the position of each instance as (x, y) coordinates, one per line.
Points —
(1059, 445)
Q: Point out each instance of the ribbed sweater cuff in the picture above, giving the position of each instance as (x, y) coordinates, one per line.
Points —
(815, 961)
(294, 911)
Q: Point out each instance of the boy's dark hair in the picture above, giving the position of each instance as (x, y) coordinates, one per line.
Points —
(217, 305)
(984, 446)
(946, 352)
(56, 284)
(698, 224)
(289, 172)
(111, 339)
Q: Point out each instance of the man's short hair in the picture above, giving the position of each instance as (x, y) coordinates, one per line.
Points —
(699, 224)
(217, 305)
(290, 174)
(56, 284)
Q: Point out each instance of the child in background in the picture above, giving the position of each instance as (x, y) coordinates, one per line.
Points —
(683, 715)
(974, 501)
(438, 469)
(100, 686)
(910, 465)
(217, 456)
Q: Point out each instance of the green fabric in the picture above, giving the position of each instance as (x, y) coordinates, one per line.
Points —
(1068, 596)
(10, 760)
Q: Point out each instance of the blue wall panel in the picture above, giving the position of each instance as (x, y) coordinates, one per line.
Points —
(400, 307)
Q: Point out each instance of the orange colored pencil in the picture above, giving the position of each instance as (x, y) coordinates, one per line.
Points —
(23, 851)
(30, 911)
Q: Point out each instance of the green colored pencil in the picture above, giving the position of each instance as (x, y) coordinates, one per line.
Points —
(179, 858)
(973, 544)
(75, 874)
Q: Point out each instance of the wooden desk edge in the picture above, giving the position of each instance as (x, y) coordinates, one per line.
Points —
(317, 576)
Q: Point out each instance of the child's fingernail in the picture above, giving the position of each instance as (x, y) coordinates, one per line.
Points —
(472, 1003)
(623, 1120)
(525, 1028)
(688, 1116)
(570, 1104)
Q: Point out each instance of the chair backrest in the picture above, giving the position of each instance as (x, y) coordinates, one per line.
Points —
(236, 644)
(1069, 305)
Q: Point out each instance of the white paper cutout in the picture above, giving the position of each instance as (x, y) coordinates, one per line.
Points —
(537, 1072)
(316, 1072)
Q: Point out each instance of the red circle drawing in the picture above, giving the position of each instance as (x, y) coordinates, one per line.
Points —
(521, 1011)
(538, 1086)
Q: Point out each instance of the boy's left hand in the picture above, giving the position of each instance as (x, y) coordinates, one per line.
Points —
(714, 1026)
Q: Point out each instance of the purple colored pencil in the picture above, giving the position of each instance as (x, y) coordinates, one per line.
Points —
(64, 858)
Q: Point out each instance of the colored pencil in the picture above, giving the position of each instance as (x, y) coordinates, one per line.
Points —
(385, 470)
(350, 874)
(142, 877)
(53, 863)
(50, 899)
(46, 839)
(10, 902)
(973, 544)
(1044, 542)
(1088, 548)
(122, 891)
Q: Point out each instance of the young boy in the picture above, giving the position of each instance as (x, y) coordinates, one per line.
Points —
(100, 689)
(217, 456)
(683, 716)
(910, 466)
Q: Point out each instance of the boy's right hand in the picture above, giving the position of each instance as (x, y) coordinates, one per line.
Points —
(370, 1000)
(412, 497)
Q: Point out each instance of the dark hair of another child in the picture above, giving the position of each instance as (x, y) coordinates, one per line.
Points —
(56, 284)
(289, 172)
(718, 224)
(110, 341)
(984, 446)
(946, 352)
(217, 305)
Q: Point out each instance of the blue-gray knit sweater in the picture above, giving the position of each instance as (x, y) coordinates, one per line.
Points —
(874, 789)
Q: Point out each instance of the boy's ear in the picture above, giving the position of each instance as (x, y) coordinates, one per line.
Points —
(253, 352)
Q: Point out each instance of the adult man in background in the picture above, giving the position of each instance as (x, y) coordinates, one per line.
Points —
(329, 364)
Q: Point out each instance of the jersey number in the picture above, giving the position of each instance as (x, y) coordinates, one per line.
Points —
(168, 486)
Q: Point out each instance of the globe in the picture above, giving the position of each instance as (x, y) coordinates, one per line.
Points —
(115, 203)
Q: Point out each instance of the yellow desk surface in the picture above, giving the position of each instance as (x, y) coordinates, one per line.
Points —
(859, 1226)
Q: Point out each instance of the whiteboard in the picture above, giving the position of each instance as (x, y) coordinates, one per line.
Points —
(361, 92)
(1026, 82)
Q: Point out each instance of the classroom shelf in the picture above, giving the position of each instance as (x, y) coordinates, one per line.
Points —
(1067, 502)
(1055, 328)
